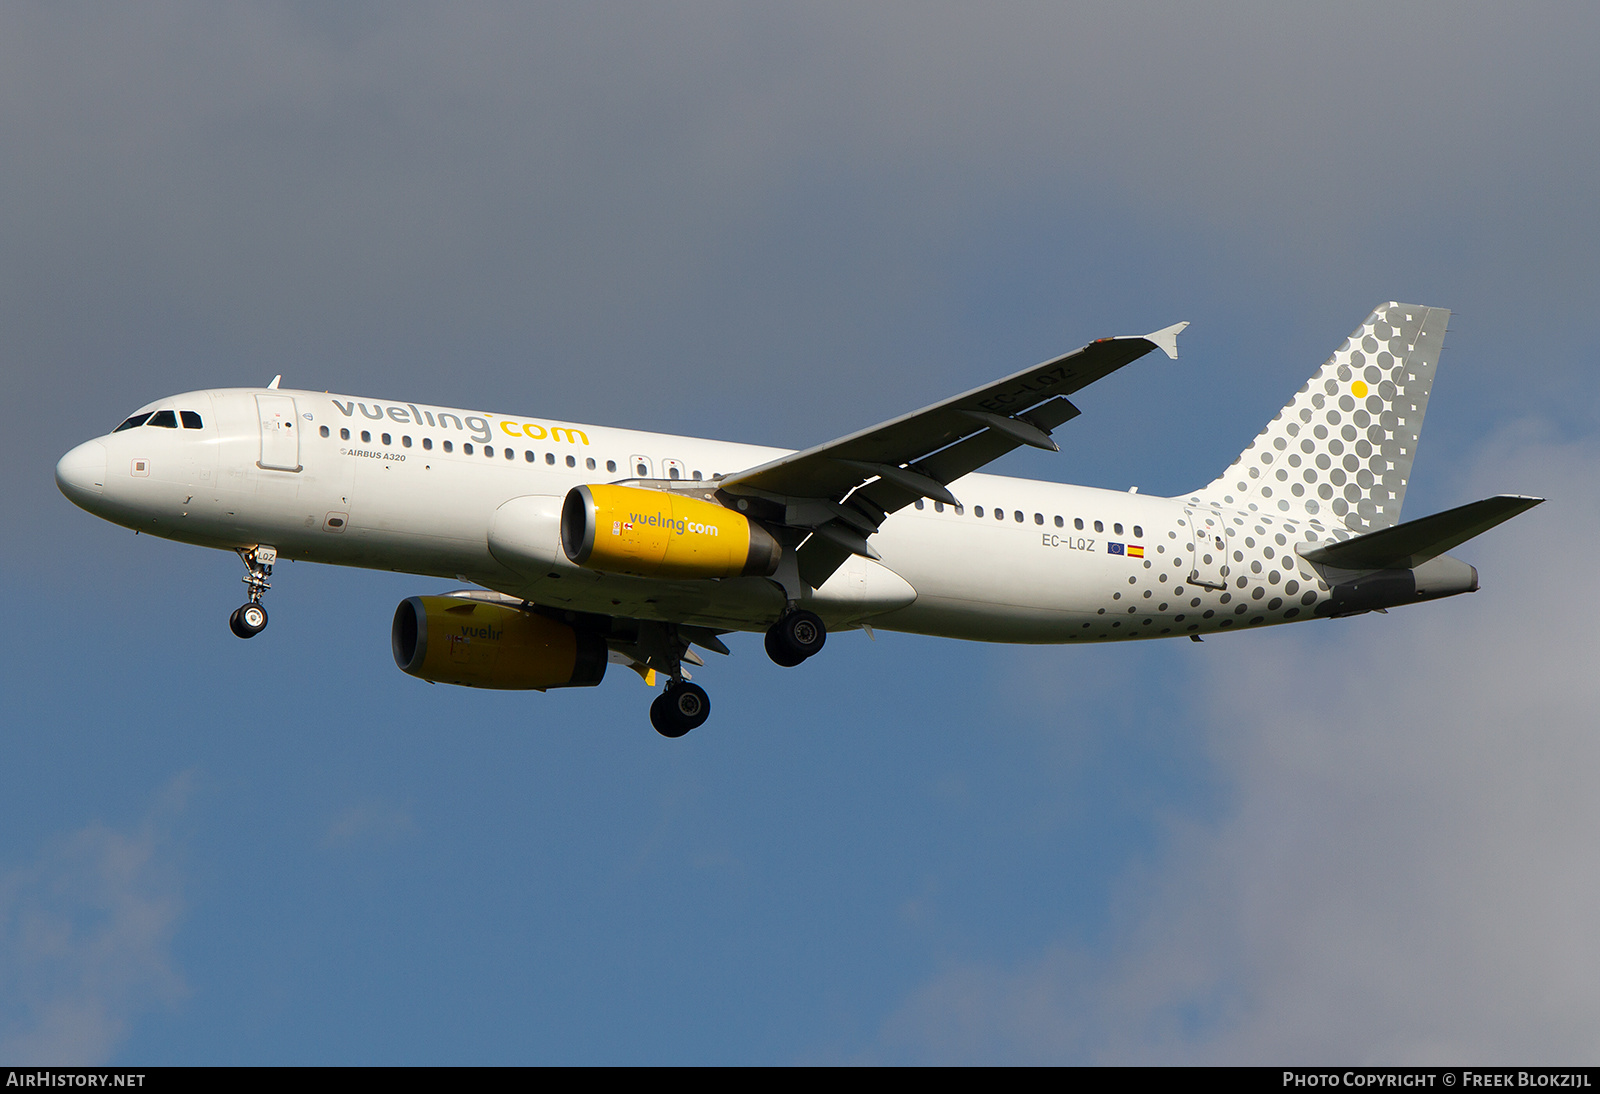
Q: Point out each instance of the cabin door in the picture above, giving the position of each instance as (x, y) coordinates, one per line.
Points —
(280, 435)
(1210, 549)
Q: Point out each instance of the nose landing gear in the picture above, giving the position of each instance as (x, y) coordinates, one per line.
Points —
(680, 708)
(797, 635)
(250, 619)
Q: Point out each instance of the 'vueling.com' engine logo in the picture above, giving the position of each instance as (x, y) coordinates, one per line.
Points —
(661, 520)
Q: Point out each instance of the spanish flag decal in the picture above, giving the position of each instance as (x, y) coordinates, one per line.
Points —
(1135, 551)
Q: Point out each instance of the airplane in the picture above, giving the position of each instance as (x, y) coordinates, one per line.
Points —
(589, 546)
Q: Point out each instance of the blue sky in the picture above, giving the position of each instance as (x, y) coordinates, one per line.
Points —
(1366, 840)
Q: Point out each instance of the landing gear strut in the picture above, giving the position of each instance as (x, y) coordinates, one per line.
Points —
(680, 708)
(250, 619)
(797, 635)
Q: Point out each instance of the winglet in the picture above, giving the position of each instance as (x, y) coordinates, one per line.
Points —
(275, 381)
(1166, 339)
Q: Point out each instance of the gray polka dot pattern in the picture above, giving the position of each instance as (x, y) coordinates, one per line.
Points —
(1341, 451)
(1209, 570)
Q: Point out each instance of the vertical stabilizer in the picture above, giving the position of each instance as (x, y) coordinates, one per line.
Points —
(1341, 451)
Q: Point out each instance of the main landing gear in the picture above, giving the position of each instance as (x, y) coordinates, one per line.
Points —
(797, 635)
(680, 708)
(250, 619)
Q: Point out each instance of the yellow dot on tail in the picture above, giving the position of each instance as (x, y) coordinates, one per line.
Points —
(1359, 389)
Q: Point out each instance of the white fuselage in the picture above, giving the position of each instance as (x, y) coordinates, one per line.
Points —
(477, 496)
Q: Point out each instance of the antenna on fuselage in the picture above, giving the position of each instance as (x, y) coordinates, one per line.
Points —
(274, 385)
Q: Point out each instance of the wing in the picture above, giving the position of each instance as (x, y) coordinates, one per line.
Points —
(839, 493)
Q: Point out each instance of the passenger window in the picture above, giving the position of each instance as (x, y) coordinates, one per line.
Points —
(589, 463)
(1060, 523)
(132, 423)
(572, 461)
(191, 420)
(406, 441)
(611, 465)
(1138, 533)
(488, 451)
(1117, 528)
(324, 431)
(938, 507)
(1098, 527)
(673, 472)
(427, 444)
(166, 419)
(386, 439)
(1038, 518)
(697, 475)
(511, 453)
(529, 457)
(344, 434)
(1077, 522)
(643, 471)
(919, 503)
(977, 510)
(999, 514)
(959, 510)
(1018, 515)
(366, 436)
(449, 447)
(465, 448)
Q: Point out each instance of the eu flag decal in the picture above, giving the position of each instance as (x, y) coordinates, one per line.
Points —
(1113, 548)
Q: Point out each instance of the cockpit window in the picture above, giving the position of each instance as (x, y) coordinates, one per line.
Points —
(191, 420)
(165, 419)
(136, 420)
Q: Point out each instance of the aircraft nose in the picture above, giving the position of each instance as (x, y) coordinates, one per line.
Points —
(81, 473)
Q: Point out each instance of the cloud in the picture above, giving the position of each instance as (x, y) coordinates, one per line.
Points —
(367, 822)
(1406, 872)
(85, 940)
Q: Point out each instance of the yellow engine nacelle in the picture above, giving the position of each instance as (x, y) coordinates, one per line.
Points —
(453, 640)
(658, 533)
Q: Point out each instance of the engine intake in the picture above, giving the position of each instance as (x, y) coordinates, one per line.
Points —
(657, 533)
(452, 640)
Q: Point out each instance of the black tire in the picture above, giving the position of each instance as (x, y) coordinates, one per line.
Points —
(248, 620)
(661, 718)
(796, 636)
(780, 653)
(679, 709)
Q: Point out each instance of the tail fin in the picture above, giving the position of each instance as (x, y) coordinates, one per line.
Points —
(1341, 451)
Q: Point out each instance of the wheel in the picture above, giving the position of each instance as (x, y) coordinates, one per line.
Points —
(679, 709)
(803, 632)
(248, 621)
(796, 636)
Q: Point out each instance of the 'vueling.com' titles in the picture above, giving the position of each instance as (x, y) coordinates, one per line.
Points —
(477, 424)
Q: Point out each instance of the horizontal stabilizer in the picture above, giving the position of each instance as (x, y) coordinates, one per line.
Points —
(1407, 546)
